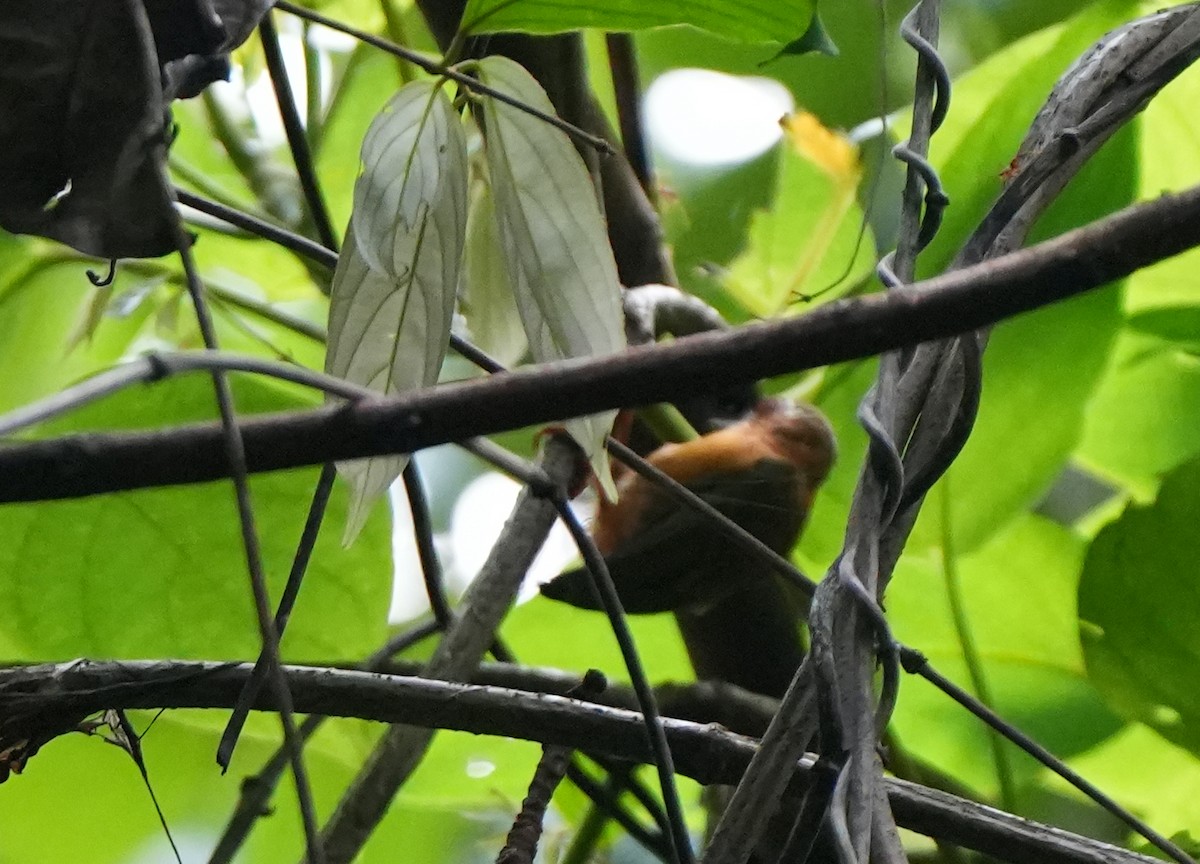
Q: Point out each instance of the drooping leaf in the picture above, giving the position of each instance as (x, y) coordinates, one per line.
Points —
(82, 127)
(556, 250)
(1138, 606)
(747, 21)
(394, 287)
(487, 298)
(413, 159)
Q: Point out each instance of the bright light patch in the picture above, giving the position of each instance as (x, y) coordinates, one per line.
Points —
(409, 599)
(479, 514)
(477, 769)
(702, 117)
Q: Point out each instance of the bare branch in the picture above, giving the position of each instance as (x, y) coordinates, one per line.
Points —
(35, 697)
(957, 302)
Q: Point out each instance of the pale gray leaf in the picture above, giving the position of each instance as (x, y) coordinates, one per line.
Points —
(487, 298)
(393, 291)
(555, 245)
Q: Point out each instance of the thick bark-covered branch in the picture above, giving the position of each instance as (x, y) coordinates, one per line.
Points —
(53, 698)
(957, 302)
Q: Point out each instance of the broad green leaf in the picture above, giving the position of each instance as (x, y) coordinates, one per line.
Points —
(992, 109)
(535, 632)
(1168, 292)
(1054, 356)
(394, 287)
(815, 39)
(809, 238)
(555, 245)
(465, 771)
(101, 787)
(1138, 606)
(161, 572)
(1142, 419)
(1018, 593)
(39, 311)
(745, 21)
(487, 301)
(1152, 777)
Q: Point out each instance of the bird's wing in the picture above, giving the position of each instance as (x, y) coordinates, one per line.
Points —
(678, 560)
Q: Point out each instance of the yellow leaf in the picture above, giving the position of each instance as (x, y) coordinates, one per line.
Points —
(830, 151)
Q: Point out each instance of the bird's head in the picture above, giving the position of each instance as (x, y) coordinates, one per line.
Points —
(800, 434)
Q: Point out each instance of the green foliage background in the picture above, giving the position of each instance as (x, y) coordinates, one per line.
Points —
(1106, 386)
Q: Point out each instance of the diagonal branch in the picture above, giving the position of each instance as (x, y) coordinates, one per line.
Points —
(957, 302)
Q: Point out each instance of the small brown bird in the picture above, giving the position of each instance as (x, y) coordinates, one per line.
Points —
(762, 473)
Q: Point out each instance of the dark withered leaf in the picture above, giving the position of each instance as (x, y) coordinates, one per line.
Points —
(83, 94)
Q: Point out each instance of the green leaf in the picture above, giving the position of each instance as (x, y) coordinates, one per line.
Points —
(1140, 423)
(809, 239)
(161, 572)
(1171, 162)
(815, 39)
(1018, 594)
(1141, 420)
(992, 109)
(555, 245)
(464, 771)
(1153, 778)
(535, 630)
(487, 300)
(120, 825)
(39, 310)
(1054, 356)
(1138, 606)
(745, 21)
(394, 287)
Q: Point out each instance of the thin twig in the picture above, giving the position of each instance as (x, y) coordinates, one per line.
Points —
(257, 791)
(488, 599)
(970, 649)
(276, 234)
(915, 663)
(283, 611)
(431, 570)
(293, 127)
(627, 89)
(235, 455)
(520, 846)
(606, 591)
